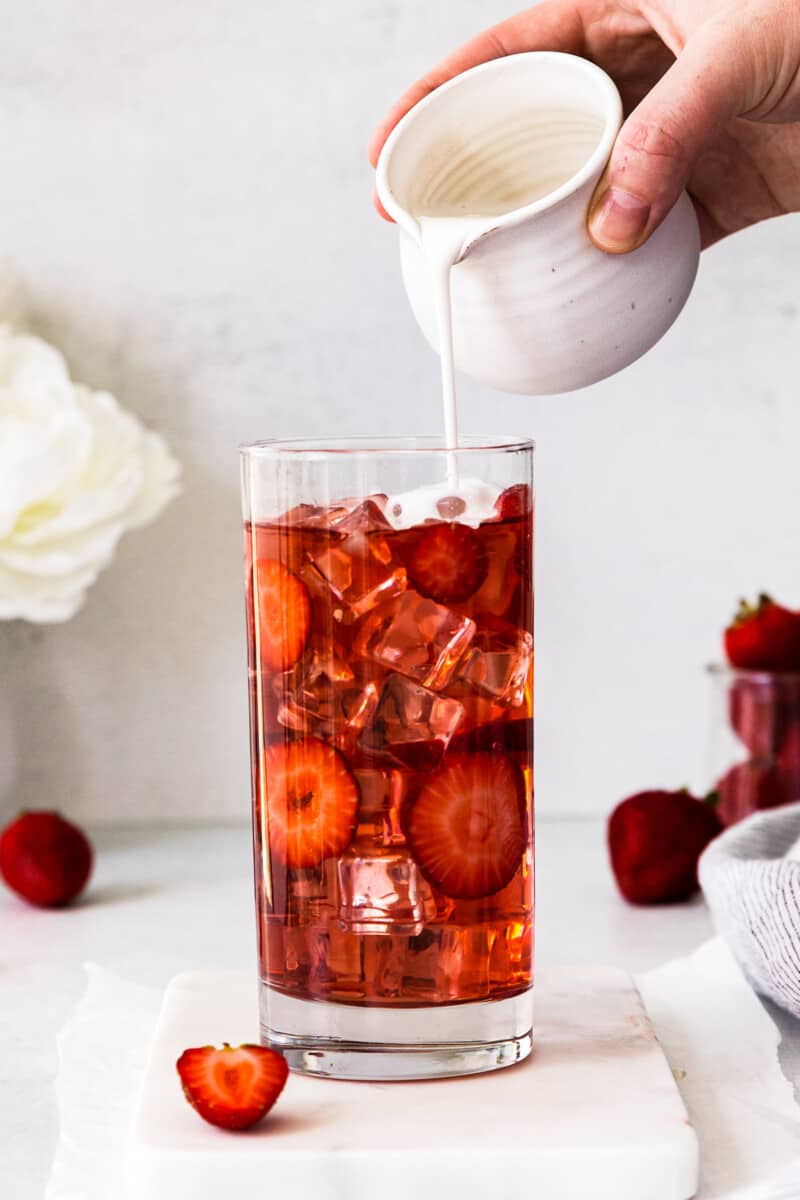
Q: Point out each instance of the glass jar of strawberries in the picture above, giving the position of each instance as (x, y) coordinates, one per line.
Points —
(754, 747)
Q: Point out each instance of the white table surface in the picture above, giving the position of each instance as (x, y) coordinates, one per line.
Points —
(164, 901)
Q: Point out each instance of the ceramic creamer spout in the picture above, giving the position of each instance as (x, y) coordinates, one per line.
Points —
(462, 233)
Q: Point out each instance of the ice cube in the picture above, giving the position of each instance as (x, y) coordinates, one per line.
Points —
(307, 951)
(511, 957)
(381, 890)
(417, 637)
(382, 793)
(479, 710)
(386, 973)
(411, 723)
(498, 666)
(326, 667)
(302, 514)
(421, 962)
(310, 890)
(360, 573)
(463, 962)
(366, 517)
(323, 961)
(322, 697)
(349, 515)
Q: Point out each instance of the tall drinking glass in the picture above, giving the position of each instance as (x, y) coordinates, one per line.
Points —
(390, 647)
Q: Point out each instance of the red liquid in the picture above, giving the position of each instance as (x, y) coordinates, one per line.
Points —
(359, 748)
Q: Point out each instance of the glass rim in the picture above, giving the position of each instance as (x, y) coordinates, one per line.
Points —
(725, 671)
(374, 444)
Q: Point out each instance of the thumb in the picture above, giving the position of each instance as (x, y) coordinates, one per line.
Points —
(659, 142)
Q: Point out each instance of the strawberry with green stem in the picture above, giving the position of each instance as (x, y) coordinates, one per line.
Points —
(763, 637)
(655, 840)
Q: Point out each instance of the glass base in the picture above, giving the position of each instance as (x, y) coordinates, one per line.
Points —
(344, 1041)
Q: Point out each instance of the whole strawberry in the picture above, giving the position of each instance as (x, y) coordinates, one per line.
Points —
(45, 859)
(655, 840)
(764, 637)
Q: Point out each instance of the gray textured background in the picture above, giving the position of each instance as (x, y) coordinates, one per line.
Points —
(186, 212)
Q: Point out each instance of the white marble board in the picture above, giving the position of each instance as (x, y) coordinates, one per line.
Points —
(594, 1114)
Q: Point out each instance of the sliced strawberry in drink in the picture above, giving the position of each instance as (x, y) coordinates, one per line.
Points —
(466, 829)
(515, 501)
(232, 1087)
(312, 802)
(273, 541)
(448, 563)
(284, 615)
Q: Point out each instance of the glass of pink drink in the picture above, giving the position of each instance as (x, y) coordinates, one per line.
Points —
(390, 650)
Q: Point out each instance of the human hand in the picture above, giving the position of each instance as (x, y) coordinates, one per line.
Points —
(711, 92)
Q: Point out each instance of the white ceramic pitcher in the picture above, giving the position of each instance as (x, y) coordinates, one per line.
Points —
(537, 308)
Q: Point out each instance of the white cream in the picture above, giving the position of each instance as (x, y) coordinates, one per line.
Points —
(442, 241)
(459, 204)
(424, 503)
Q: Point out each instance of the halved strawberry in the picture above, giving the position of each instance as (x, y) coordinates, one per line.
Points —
(232, 1087)
(284, 614)
(448, 563)
(312, 802)
(515, 501)
(466, 828)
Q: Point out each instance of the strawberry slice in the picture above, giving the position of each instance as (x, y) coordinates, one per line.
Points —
(448, 563)
(232, 1087)
(284, 615)
(515, 501)
(466, 829)
(312, 802)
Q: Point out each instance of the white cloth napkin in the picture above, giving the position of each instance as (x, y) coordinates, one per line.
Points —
(750, 876)
(723, 1049)
(719, 1040)
(102, 1053)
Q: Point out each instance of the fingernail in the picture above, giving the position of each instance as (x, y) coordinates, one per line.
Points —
(619, 219)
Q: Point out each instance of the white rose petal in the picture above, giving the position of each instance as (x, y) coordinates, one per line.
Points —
(111, 478)
(76, 471)
(43, 598)
(31, 367)
(91, 547)
(160, 480)
(37, 458)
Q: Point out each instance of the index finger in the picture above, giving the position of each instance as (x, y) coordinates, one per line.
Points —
(552, 25)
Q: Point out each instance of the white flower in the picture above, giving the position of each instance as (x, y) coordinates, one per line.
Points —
(76, 471)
